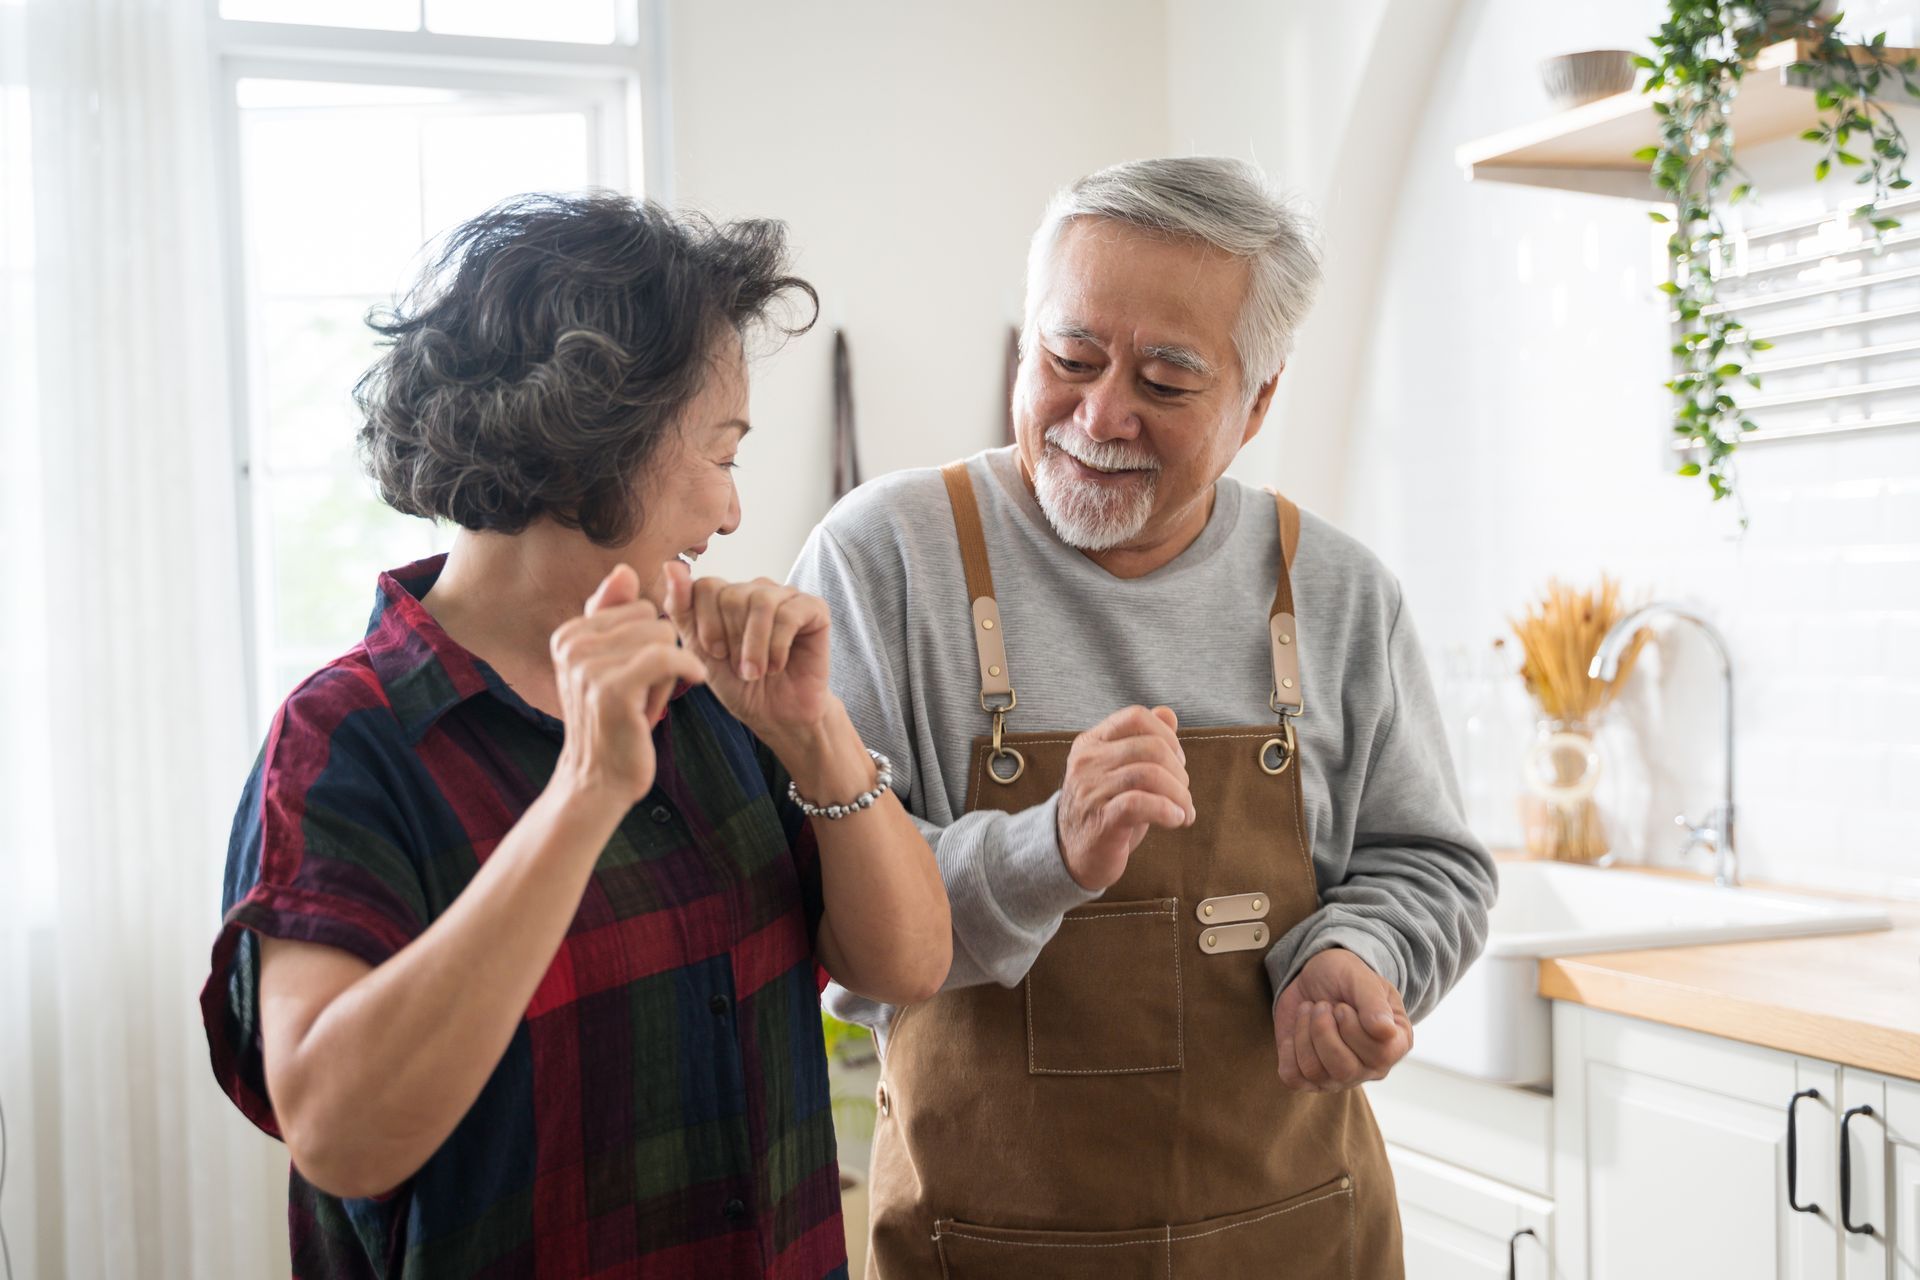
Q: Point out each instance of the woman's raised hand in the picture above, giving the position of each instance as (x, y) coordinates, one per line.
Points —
(764, 645)
(616, 666)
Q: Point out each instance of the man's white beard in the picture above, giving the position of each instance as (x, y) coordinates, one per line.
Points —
(1088, 515)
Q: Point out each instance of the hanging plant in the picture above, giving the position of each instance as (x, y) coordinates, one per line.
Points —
(1700, 53)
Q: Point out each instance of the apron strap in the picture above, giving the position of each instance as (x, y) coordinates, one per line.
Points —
(1282, 632)
(996, 685)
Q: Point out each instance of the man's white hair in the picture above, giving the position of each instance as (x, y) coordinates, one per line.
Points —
(1224, 203)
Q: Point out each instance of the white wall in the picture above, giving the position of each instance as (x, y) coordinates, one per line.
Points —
(1508, 426)
(911, 148)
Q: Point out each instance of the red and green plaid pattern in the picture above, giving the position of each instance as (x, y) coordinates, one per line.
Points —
(662, 1109)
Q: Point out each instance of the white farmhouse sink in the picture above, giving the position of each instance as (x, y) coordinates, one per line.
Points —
(1495, 1026)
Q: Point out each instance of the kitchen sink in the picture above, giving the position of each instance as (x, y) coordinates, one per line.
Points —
(1494, 1024)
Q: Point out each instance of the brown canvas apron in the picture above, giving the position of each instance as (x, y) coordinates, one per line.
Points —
(1119, 1114)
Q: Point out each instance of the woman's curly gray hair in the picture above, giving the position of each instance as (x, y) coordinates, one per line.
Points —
(548, 352)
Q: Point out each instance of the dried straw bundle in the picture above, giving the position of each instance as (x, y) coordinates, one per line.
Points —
(1558, 637)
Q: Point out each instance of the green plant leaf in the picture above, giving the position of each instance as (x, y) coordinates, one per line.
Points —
(1847, 157)
(1760, 344)
(1647, 154)
(1821, 170)
(1658, 216)
(1644, 62)
(1691, 469)
(1668, 287)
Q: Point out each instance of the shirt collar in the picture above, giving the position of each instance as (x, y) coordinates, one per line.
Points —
(424, 672)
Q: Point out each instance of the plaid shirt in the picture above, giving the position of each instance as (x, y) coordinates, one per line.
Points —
(662, 1109)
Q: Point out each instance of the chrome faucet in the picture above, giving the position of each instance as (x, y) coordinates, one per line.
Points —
(1715, 833)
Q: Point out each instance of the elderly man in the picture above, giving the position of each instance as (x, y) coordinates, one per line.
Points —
(1184, 934)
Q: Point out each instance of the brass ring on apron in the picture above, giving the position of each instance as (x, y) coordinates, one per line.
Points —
(1285, 746)
(999, 751)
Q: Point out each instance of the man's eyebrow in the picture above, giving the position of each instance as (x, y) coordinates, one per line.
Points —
(1073, 332)
(1180, 358)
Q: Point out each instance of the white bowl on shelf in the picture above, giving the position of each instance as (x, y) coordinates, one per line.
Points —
(1575, 79)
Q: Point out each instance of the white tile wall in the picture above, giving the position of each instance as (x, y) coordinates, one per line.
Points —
(1511, 427)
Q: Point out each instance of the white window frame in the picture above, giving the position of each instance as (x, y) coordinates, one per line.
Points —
(622, 85)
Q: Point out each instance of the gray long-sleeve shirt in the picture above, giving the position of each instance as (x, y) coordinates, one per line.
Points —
(1403, 883)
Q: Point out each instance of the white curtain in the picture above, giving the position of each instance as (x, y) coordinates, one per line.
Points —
(123, 724)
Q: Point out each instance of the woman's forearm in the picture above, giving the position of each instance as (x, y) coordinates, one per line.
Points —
(380, 1074)
(886, 932)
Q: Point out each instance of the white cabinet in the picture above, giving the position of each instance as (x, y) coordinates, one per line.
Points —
(1903, 1179)
(1674, 1155)
(1462, 1226)
(1881, 1158)
(1660, 1153)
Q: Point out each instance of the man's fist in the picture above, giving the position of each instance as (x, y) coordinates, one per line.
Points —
(1338, 1024)
(1124, 775)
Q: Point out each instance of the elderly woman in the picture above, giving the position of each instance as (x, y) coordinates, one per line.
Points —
(527, 891)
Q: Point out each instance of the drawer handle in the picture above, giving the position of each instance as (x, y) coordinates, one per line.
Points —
(1846, 1175)
(1793, 1156)
(1513, 1252)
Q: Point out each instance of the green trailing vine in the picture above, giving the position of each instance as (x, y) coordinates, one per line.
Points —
(1699, 56)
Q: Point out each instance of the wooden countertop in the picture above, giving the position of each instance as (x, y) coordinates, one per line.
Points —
(1852, 998)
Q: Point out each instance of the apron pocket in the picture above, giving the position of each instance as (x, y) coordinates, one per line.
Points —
(969, 1252)
(1104, 996)
(1310, 1234)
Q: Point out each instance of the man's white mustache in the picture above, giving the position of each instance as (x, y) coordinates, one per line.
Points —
(1106, 455)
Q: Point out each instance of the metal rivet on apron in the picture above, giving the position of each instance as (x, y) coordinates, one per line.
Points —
(1259, 936)
(1212, 941)
(1285, 639)
(987, 623)
(1287, 683)
(993, 671)
(1208, 909)
(1256, 904)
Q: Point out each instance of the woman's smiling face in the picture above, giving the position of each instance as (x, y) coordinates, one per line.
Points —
(687, 494)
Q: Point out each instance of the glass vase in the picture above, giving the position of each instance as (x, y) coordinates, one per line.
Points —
(1560, 816)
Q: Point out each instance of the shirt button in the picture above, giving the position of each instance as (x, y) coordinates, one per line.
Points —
(719, 1004)
(735, 1210)
(661, 814)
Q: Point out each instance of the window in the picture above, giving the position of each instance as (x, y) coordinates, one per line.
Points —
(353, 153)
(578, 21)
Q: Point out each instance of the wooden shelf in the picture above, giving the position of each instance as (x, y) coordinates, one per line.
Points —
(1590, 148)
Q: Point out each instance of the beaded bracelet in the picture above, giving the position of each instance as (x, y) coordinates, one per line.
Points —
(864, 800)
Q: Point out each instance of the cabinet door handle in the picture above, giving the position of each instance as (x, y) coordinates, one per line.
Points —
(1793, 1156)
(1513, 1252)
(1846, 1174)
